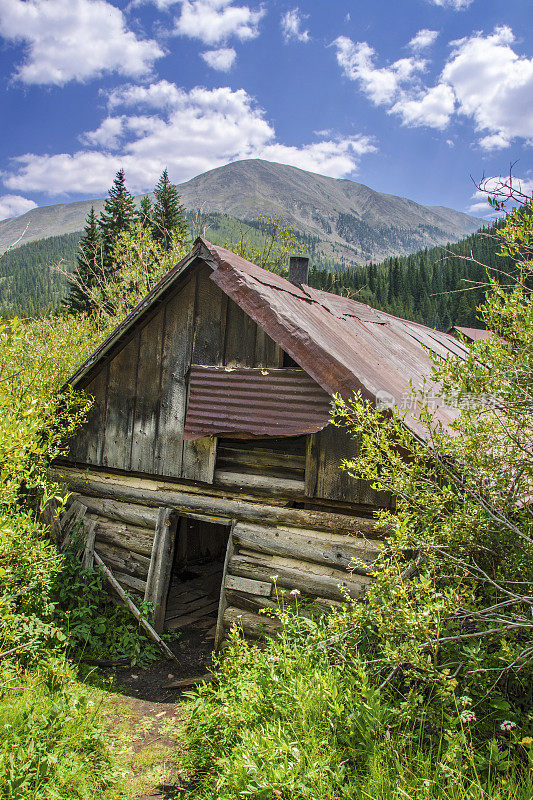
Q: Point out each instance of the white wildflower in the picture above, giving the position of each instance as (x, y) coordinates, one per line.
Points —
(467, 716)
(507, 726)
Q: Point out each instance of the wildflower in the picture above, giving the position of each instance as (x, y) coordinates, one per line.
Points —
(295, 591)
(465, 702)
(507, 726)
(467, 716)
(527, 740)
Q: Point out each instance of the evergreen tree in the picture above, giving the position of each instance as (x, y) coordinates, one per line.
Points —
(169, 214)
(89, 263)
(119, 215)
(146, 213)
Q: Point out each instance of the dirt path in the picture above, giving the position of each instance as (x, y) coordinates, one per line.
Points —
(145, 721)
(146, 739)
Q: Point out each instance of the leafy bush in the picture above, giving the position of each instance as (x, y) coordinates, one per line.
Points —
(465, 613)
(303, 718)
(94, 628)
(50, 741)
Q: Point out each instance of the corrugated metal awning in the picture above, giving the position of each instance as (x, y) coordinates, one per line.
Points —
(254, 402)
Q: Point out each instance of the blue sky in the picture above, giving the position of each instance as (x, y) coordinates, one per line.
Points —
(411, 97)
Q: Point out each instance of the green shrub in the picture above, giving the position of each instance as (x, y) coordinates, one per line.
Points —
(93, 627)
(301, 719)
(51, 741)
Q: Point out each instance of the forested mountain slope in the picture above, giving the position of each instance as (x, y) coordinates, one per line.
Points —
(436, 286)
(433, 286)
(30, 281)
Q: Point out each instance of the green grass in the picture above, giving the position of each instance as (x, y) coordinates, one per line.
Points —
(52, 743)
(293, 721)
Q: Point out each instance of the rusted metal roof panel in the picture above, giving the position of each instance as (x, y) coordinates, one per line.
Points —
(343, 345)
(472, 334)
(254, 402)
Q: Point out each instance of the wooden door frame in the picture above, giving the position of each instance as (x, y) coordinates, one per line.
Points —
(166, 541)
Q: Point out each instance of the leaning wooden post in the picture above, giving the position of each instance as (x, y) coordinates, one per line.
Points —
(133, 608)
(160, 569)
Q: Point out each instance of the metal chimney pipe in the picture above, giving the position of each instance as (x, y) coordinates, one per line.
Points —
(298, 270)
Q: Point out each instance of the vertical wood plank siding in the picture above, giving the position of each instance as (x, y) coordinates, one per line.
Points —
(177, 343)
(121, 386)
(147, 395)
(140, 394)
(198, 462)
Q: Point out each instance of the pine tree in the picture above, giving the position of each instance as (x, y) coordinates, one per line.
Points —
(169, 214)
(88, 265)
(146, 213)
(119, 215)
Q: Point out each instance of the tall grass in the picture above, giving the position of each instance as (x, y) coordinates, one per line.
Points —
(51, 740)
(293, 720)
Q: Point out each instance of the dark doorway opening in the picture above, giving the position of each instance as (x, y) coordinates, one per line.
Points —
(196, 579)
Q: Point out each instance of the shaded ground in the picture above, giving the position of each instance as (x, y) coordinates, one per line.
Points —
(194, 657)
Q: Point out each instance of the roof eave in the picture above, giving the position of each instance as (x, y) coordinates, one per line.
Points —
(199, 250)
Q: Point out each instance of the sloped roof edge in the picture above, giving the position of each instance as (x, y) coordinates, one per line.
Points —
(342, 344)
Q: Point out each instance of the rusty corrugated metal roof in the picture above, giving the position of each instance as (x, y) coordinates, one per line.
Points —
(342, 344)
(254, 401)
(473, 334)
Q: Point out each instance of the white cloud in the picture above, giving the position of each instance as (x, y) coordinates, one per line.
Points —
(483, 79)
(433, 108)
(490, 186)
(336, 158)
(221, 59)
(11, 205)
(215, 21)
(382, 85)
(291, 26)
(74, 40)
(190, 132)
(160, 95)
(493, 86)
(424, 38)
(456, 5)
(108, 134)
(495, 141)
(162, 5)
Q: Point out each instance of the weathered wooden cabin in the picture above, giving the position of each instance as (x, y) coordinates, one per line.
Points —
(208, 464)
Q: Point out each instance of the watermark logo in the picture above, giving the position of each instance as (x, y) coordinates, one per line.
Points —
(463, 401)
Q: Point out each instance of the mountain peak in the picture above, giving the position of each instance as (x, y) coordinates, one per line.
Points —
(348, 221)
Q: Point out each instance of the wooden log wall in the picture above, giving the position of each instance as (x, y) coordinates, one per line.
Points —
(216, 505)
(124, 537)
(314, 552)
(267, 562)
